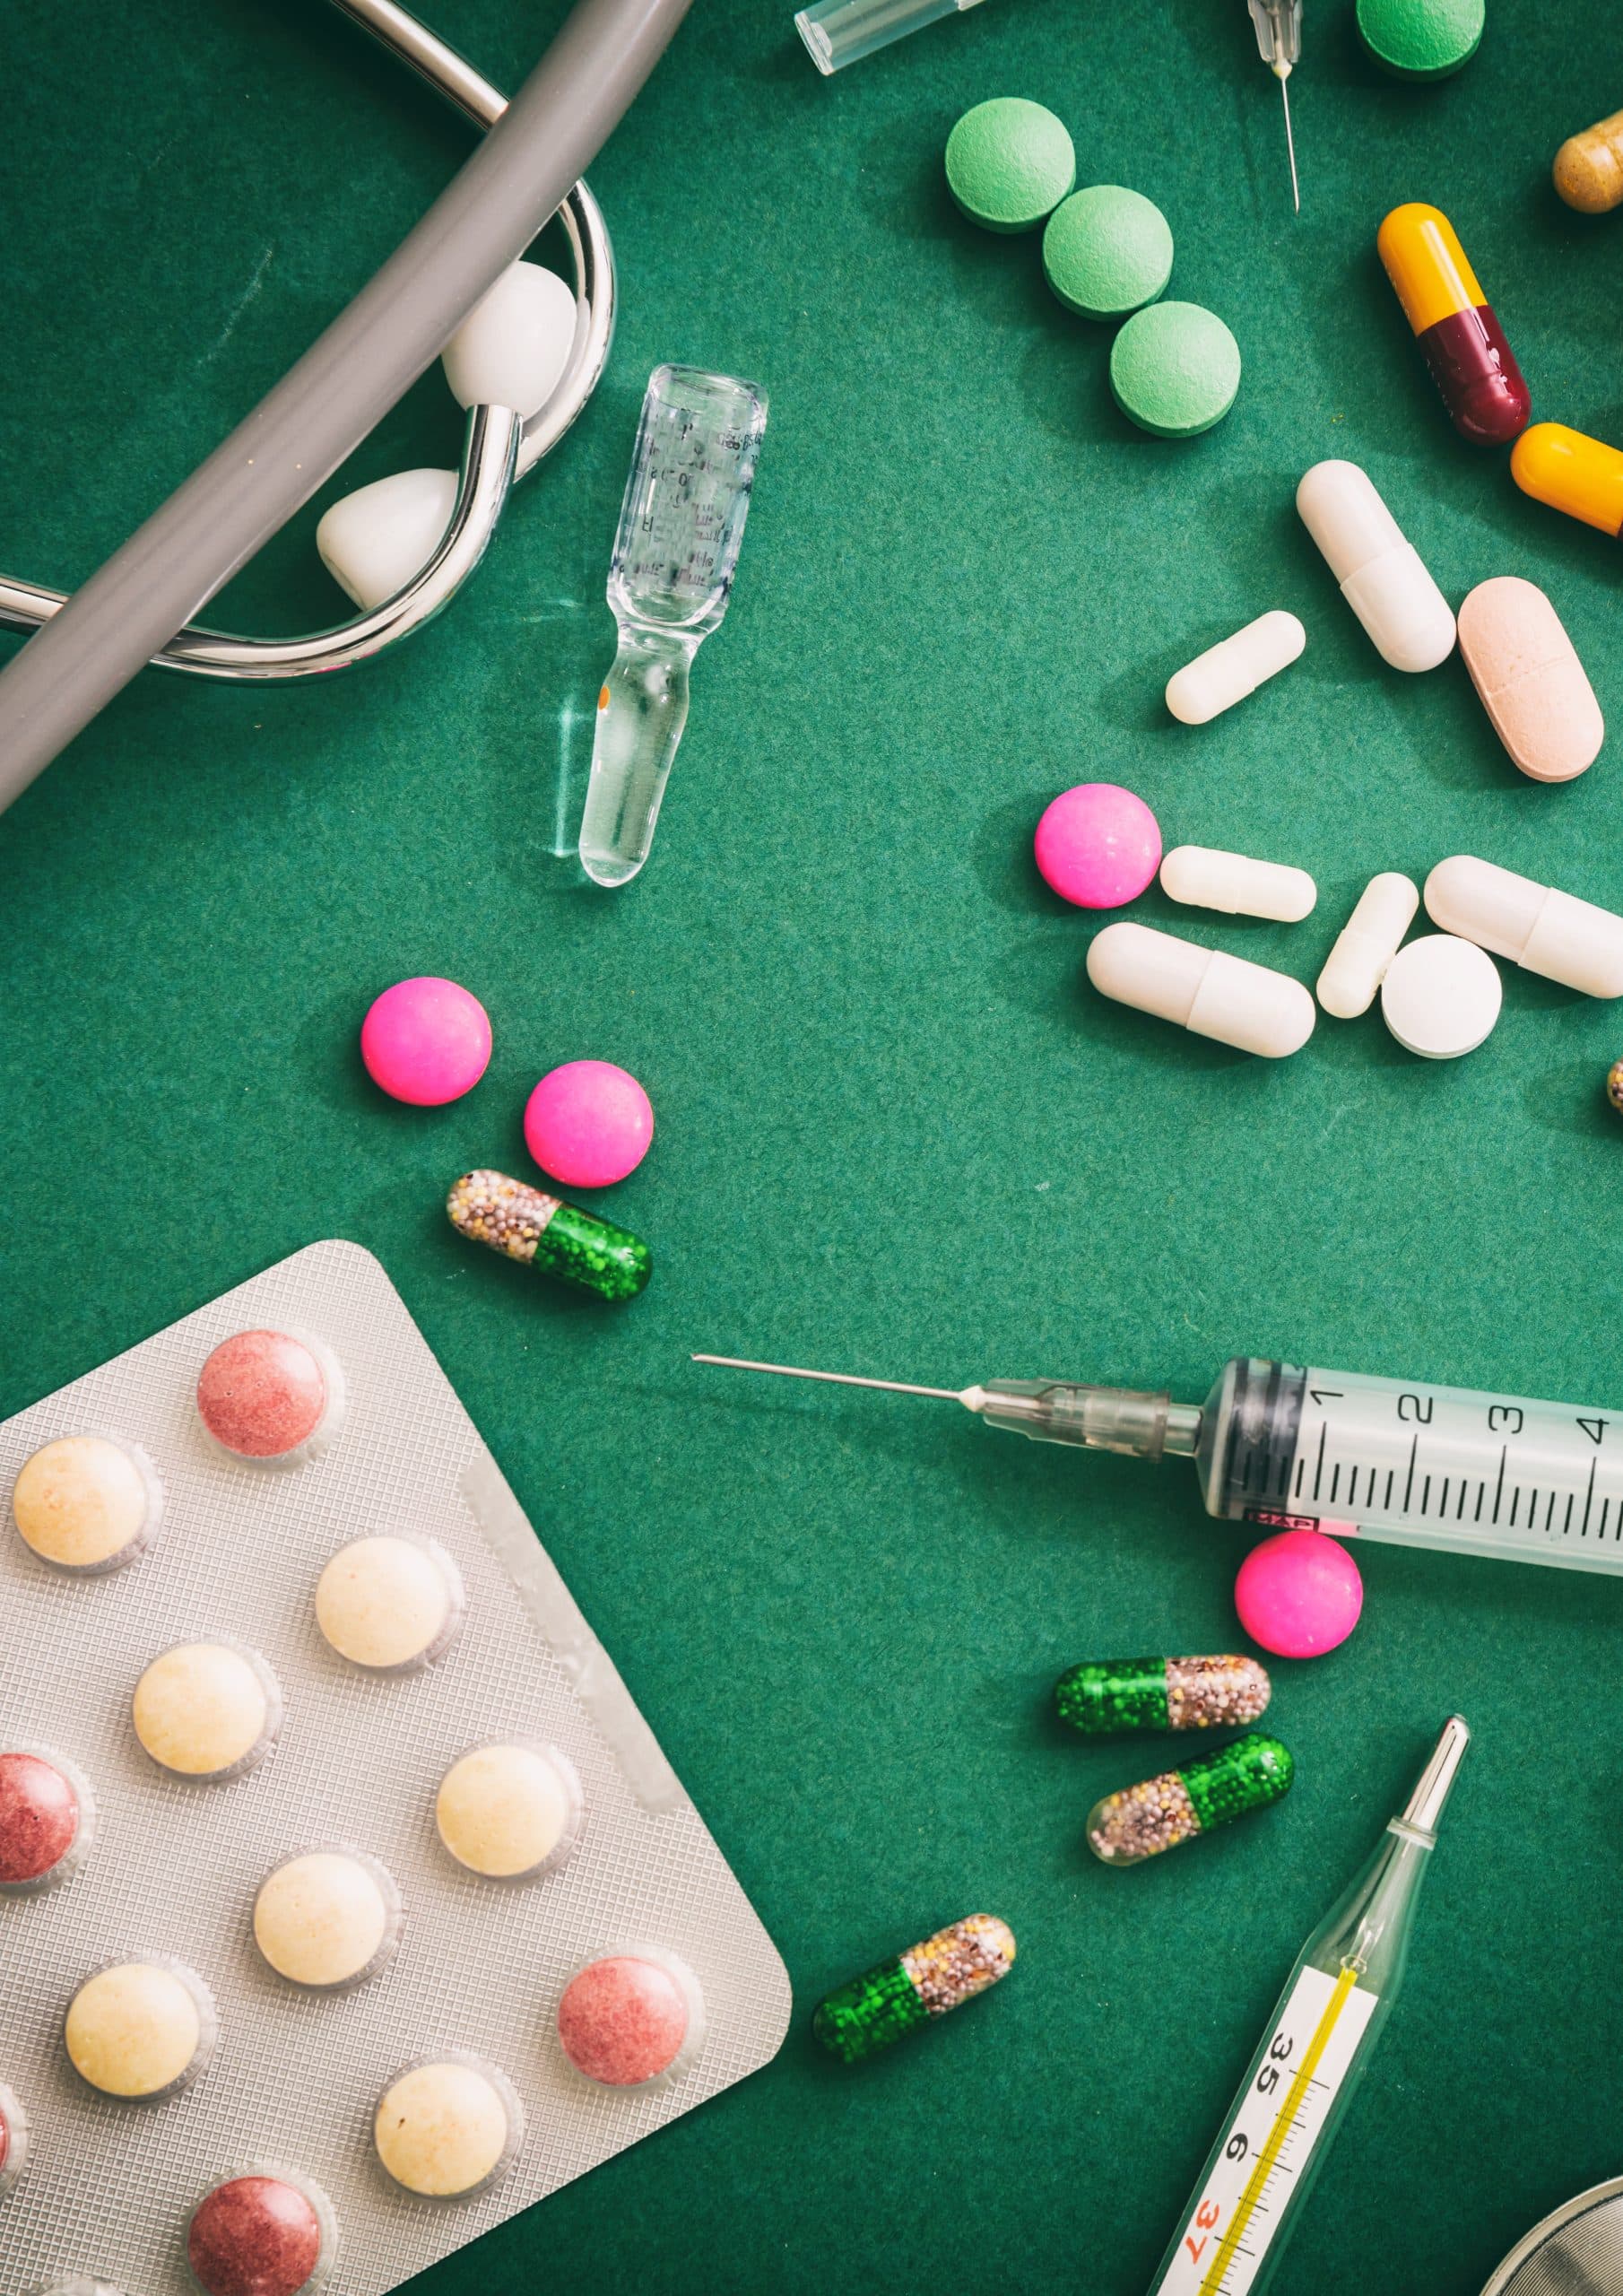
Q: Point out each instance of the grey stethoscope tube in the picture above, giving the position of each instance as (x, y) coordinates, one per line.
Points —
(499, 447)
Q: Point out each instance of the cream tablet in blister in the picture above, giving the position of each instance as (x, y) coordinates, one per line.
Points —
(446, 1820)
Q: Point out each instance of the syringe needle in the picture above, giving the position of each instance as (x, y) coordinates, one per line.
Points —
(1290, 144)
(836, 1378)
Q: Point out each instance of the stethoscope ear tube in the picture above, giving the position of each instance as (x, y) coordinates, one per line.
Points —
(131, 608)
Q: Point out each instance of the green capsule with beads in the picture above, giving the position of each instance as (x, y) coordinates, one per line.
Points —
(1141, 1821)
(1108, 1694)
(526, 1225)
(894, 1998)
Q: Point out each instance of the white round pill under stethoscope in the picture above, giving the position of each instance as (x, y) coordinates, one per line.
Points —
(1441, 996)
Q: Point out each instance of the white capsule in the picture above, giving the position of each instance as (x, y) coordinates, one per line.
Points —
(1441, 996)
(1383, 577)
(1550, 933)
(1367, 944)
(1226, 673)
(1203, 878)
(375, 540)
(512, 348)
(1204, 990)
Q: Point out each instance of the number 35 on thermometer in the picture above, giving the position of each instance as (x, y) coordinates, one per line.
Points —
(1260, 2162)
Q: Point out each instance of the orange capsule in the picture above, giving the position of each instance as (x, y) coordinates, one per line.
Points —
(1471, 364)
(1582, 476)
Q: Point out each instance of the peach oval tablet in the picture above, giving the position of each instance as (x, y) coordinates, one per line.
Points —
(1533, 685)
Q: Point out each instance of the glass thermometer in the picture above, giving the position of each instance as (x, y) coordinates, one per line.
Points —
(1279, 2127)
(1344, 1452)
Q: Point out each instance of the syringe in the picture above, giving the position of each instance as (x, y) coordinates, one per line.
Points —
(1422, 1466)
(1279, 38)
(1278, 2131)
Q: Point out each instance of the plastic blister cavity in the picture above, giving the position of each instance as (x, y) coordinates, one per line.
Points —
(206, 1711)
(14, 2140)
(34, 1856)
(87, 1502)
(141, 2028)
(390, 1603)
(512, 1812)
(216, 2228)
(633, 2017)
(482, 1966)
(447, 2126)
(329, 1918)
(271, 1398)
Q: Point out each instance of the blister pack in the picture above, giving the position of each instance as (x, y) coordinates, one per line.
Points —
(338, 1868)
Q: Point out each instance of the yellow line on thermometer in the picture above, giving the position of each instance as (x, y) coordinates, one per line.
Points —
(1277, 2135)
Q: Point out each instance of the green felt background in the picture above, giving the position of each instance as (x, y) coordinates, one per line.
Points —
(897, 1131)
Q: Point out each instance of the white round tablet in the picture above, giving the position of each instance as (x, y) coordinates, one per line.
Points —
(1441, 996)
(388, 1603)
(139, 2029)
(446, 2128)
(206, 1709)
(326, 1917)
(508, 1811)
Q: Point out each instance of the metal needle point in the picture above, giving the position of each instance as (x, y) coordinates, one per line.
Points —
(1295, 195)
(835, 1378)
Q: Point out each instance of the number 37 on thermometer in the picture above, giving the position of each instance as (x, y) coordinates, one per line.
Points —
(1262, 2161)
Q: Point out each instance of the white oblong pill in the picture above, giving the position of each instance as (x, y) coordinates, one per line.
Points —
(1544, 931)
(512, 348)
(1441, 996)
(1204, 990)
(1201, 877)
(1382, 575)
(1367, 944)
(1226, 673)
(1526, 671)
(374, 540)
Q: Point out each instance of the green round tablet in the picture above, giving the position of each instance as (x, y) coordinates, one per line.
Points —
(1421, 40)
(1107, 252)
(1010, 163)
(1174, 370)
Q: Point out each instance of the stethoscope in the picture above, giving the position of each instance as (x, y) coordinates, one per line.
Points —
(499, 446)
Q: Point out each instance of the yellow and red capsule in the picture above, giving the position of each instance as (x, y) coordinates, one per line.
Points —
(1580, 475)
(1471, 364)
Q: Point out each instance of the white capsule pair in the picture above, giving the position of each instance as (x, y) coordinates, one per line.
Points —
(510, 351)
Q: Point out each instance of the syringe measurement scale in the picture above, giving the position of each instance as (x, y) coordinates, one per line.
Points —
(1403, 1460)
(1420, 1465)
(1278, 2131)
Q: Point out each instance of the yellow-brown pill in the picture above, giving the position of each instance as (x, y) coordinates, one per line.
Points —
(1589, 168)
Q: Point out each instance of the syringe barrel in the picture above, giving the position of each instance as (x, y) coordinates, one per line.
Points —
(1423, 1465)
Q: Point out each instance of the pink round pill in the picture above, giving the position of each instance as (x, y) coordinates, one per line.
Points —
(1098, 846)
(426, 1042)
(262, 1394)
(39, 1818)
(622, 2020)
(1299, 1595)
(589, 1124)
